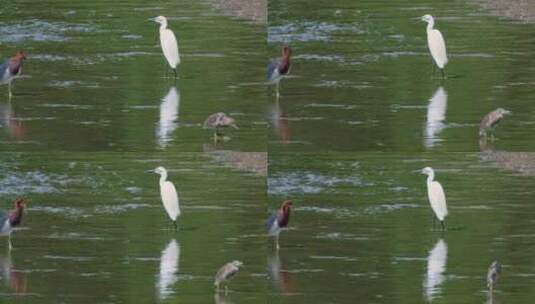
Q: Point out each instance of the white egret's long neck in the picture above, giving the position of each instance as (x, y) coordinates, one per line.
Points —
(430, 177)
(430, 25)
(163, 25)
(163, 178)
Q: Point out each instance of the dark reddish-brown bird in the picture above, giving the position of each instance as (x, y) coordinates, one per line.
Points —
(489, 122)
(279, 67)
(10, 69)
(217, 121)
(279, 220)
(11, 219)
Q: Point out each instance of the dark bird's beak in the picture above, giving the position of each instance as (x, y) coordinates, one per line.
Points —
(235, 126)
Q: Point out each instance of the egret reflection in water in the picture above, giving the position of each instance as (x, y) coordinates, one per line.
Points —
(436, 265)
(436, 114)
(168, 116)
(169, 262)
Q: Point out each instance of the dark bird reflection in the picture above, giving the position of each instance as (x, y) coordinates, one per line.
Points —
(169, 262)
(12, 278)
(436, 266)
(7, 119)
(168, 116)
(280, 123)
(280, 277)
(436, 114)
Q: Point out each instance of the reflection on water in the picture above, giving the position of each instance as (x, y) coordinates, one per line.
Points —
(436, 114)
(280, 123)
(280, 277)
(221, 298)
(169, 109)
(13, 279)
(14, 126)
(436, 265)
(169, 262)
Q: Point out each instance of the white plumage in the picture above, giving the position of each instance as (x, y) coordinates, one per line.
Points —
(436, 43)
(169, 47)
(168, 43)
(436, 195)
(169, 195)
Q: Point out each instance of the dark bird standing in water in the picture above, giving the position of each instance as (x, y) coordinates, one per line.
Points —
(11, 219)
(279, 220)
(11, 69)
(217, 121)
(489, 122)
(279, 67)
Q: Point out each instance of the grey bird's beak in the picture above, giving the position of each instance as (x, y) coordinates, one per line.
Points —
(235, 126)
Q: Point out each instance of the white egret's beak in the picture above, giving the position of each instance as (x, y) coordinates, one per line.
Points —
(507, 112)
(150, 171)
(152, 19)
(423, 19)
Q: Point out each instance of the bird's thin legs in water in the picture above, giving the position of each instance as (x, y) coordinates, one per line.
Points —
(226, 290)
(277, 90)
(443, 74)
(277, 242)
(9, 242)
(176, 226)
(174, 70)
(443, 225)
(9, 90)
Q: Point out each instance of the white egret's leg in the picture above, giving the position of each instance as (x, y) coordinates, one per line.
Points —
(176, 226)
(277, 242)
(277, 90)
(9, 90)
(174, 70)
(9, 242)
(443, 74)
(443, 226)
(226, 290)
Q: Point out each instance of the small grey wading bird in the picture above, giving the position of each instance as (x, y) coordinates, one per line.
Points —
(225, 273)
(436, 44)
(495, 269)
(489, 122)
(11, 219)
(11, 69)
(169, 196)
(217, 121)
(437, 198)
(168, 43)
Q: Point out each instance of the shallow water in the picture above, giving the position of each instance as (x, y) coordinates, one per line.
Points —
(95, 230)
(362, 80)
(362, 229)
(95, 77)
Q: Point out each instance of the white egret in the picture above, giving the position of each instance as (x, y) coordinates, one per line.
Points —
(436, 114)
(436, 196)
(168, 43)
(436, 43)
(169, 261)
(169, 195)
(225, 273)
(436, 266)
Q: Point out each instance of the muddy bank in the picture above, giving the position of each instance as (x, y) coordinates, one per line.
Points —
(521, 10)
(519, 162)
(254, 10)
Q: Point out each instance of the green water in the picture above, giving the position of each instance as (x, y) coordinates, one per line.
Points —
(91, 114)
(362, 228)
(361, 77)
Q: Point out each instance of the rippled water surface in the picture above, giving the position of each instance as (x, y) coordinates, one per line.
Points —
(361, 77)
(95, 77)
(362, 228)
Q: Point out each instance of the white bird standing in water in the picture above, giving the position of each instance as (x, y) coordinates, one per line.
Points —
(169, 196)
(436, 43)
(168, 43)
(436, 196)
(495, 269)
